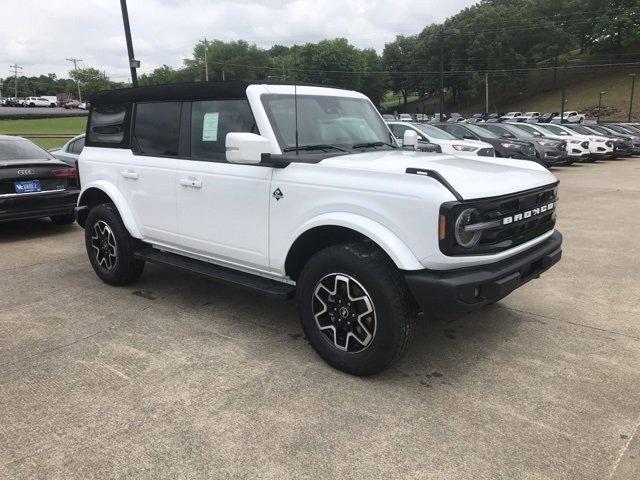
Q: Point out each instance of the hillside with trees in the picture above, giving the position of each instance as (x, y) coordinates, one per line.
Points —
(523, 47)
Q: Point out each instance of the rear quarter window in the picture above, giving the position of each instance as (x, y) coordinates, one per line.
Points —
(108, 126)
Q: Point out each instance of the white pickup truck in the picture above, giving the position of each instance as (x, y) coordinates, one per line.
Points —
(303, 191)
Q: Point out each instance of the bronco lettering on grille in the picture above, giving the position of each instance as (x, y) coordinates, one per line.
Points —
(528, 214)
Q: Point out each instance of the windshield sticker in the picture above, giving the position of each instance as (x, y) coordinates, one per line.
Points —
(210, 127)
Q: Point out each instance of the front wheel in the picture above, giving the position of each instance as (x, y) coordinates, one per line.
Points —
(355, 308)
(110, 246)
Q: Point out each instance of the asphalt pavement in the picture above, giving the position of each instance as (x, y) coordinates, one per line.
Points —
(177, 377)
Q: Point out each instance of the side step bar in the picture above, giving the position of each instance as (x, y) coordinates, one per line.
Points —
(261, 285)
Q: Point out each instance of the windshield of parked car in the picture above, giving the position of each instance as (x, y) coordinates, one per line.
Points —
(482, 132)
(434, 132)
(555, 130)
(528, 130)
(601, 130)
(342, 122)
(582, 130)
(21, 150)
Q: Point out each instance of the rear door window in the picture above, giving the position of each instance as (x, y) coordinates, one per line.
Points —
(156, 128)
(211, 120)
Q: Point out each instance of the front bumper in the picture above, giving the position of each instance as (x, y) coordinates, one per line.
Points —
(463, 290)
(20, 207)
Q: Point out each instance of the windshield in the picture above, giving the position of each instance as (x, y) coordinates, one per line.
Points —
(555, 130)
(433, 132)
(323, 120)
(582, 130)
(528, 129)
(21, 150)
(599, 129)
(482, 132)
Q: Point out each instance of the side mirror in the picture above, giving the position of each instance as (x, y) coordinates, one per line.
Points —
(469, 137)
(246, 148)
(410, 139)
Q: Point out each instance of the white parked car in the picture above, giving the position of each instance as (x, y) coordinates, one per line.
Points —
(70, 151)
(405, 117)
(303, 191)
(577, 147)
(36, 102)
(510, 116)
(448, 143)
(570, 116)
(599, 146)
(52, 99)
(528, 117)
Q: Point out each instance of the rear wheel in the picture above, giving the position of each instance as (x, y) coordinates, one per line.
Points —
(110, 246)
(63, 219)
(355, 308)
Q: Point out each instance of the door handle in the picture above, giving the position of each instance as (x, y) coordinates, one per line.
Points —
(128, 174)
(189, 182)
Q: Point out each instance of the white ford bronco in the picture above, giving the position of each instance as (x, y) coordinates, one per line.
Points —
(302, 191)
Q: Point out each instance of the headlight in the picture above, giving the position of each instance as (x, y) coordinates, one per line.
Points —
(510, 145)
(596, 139)
(467, 217)
(464, 148)
(576, 141)
(544, 142)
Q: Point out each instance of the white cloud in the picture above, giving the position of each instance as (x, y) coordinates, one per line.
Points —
(165, 31)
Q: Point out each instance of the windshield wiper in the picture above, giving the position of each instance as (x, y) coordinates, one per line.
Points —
(373, 144)
(320, 146)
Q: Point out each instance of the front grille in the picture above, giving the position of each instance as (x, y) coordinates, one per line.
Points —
(486, 152)
(562, 146)
(609, 143)
(504, 235)
(529, 150)
(585, 144)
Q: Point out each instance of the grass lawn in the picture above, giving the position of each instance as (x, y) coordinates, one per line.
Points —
(66, 125)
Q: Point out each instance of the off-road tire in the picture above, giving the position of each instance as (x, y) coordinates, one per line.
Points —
(125, 269)
(394, 306)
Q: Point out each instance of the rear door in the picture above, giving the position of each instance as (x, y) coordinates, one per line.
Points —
(147, 177)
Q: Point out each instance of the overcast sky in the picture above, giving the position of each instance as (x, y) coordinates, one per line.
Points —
(41, 34)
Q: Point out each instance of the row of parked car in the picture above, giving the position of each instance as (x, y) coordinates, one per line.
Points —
(547, 144)
(570, 116)
(42, 102)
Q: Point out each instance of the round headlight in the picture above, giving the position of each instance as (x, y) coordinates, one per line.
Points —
(467, 217)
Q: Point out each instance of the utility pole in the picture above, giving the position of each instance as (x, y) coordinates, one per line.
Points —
(599, 106)
(633, 86)
(564, 94)
(75, 68)
(133, 63)
(206, 63)
(486, 92)
(223, 77)
(449, 31)
(15, 67)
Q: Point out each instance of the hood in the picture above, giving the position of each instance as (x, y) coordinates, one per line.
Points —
(475, 177)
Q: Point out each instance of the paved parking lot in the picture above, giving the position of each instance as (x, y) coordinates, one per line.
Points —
(176, 377)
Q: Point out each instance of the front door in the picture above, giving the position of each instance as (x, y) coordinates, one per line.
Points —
(223, 208)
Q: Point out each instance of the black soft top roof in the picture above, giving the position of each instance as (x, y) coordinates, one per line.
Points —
(184, 91)
(174, 91)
